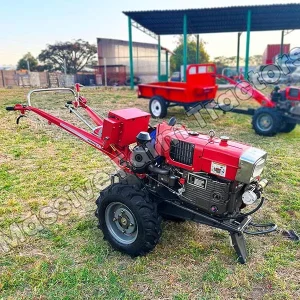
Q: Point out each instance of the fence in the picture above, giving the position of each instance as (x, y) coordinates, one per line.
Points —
(43, 79)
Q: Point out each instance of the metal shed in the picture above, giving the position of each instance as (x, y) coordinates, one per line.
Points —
(213, 20)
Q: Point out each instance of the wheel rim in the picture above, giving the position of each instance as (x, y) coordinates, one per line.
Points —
(156, 108)
(121, 223)
(264, 122)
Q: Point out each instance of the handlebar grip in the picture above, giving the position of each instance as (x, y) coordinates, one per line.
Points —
(10, 108)
(69, 102)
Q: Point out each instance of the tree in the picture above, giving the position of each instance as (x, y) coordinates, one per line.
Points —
(255, 60)
(221, 61)
(45, 67)
(72, 55)
(28, 58)
(176, 59)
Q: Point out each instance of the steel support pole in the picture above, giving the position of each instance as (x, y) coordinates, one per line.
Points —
(247, 44)
(197, 51)
(167, 64)
(184, 46)
(3, 79)
(281, 44)
(238, 53)
(159, 58)
(130, 53)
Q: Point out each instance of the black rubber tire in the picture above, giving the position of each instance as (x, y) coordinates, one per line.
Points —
(287, 127)
(145, 212)
(163, 107)
(275, 117)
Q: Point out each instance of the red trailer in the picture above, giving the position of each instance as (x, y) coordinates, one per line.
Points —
(200, 86)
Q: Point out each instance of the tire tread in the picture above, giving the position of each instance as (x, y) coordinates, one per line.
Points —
(147, 210)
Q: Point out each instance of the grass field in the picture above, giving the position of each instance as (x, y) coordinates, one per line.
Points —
(50, 247)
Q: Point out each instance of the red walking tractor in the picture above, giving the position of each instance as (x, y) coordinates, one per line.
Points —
(167, 171)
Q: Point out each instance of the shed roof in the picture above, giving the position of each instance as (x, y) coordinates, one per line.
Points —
(220, 19)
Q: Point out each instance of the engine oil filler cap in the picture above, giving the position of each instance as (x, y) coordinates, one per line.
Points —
(224, 140)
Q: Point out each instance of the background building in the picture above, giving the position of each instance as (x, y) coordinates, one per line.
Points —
(113, 55)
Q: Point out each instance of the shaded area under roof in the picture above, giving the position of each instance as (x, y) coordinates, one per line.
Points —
(222, 19)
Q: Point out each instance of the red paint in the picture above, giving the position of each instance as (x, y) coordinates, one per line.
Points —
(261, 98)
(289, 97)
(271, 51)
(124, 125)
(77, 87)
(206, 151)
(114, 134)
(200, 85)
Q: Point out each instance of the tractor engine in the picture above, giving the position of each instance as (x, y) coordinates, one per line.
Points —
(209, 174)
(287, 100)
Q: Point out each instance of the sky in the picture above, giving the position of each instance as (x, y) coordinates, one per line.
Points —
(28, 26)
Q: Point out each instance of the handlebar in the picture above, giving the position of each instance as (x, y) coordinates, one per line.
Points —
(49, 90)
(10, 108)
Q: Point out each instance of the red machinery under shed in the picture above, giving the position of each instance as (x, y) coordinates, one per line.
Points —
(271, 51)
(200, 85)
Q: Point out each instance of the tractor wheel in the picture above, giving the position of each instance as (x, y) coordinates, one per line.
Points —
(287, 127)
(157, 107)
(128, 219)
(266, 121)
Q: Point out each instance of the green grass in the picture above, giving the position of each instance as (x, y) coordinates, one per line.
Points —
(51, 180)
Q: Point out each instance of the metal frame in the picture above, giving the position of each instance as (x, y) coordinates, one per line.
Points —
(197, 50)
(283, 34)
(130, 52)
(185, 33)
(238, 53)
(49, 90)
(184, 46)
(145, 30)
(247, 44)
(206, 22)
(159, 58)
(167, 64)
(234, 227)
(131, 24)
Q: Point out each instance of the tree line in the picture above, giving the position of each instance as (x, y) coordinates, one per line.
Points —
(72, 57)
(221, 61)
(69, 57)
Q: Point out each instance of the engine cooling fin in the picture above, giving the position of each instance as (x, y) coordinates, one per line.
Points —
(182, 152)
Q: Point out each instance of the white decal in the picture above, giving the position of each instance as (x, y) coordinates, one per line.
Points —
(218, 169)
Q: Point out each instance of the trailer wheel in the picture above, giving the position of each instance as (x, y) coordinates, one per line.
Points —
(266, 121)
(287, 127)
(128, 219)
(158, 107)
